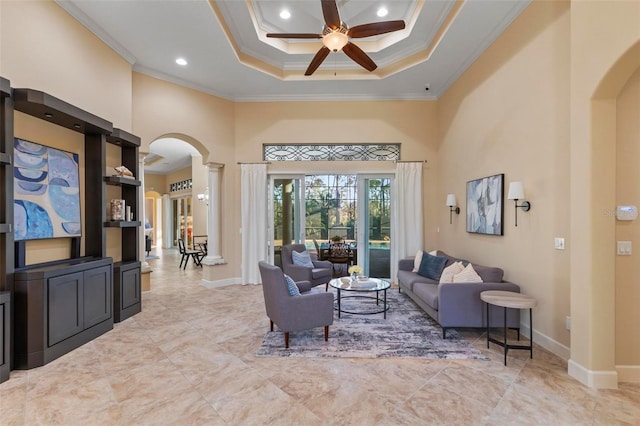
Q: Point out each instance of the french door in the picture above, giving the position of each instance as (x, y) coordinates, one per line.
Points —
(181, 220)
(313, 209)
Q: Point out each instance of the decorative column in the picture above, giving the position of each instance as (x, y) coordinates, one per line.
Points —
(144, 265)
(213, 215)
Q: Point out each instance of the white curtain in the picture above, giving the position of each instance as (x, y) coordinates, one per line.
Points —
(407, 213)
(254, 220)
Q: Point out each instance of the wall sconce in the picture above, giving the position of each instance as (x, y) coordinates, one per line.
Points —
(452, 204)
(516, 192)
(204, 198)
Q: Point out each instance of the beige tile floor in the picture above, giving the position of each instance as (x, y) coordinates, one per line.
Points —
(188, 358)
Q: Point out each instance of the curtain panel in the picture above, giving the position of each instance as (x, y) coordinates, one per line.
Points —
(254, 220)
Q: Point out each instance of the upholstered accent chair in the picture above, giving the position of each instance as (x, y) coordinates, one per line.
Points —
(294, 313)
(320, 273)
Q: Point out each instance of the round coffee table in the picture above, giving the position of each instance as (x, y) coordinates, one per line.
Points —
(363, 288)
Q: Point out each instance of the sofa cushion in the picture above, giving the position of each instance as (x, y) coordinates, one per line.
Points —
(467, 275)
(432, 266)
(408, 279)
(489, 274)
(301, 259)
(428, 293)
(450, 271)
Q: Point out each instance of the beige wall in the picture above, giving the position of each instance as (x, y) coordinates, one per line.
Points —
(43, 48)
(628, 193)
(605, 51)
(158, 183)
(413, 124)
(509, 114)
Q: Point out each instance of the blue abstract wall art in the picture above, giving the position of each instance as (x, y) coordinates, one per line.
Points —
(47, 192)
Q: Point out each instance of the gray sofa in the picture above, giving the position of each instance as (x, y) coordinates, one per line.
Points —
(458, 305)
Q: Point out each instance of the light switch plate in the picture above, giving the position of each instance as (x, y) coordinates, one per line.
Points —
(558, 243)
(624, 248)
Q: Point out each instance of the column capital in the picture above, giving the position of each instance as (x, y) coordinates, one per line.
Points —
(214, 166)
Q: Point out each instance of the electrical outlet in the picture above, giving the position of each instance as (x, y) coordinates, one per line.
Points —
(558, 243)
(568, 322)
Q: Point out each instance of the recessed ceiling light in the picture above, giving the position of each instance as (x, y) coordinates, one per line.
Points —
(382, 12)
(285, 14)
(181, 61)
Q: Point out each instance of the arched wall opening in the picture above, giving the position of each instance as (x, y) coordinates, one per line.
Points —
(615, 130)
(175, 171)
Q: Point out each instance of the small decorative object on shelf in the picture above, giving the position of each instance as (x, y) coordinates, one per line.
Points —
(117, 209)
(354, 270)
(123, 172)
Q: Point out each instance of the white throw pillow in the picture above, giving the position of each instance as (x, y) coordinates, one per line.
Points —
(468, 275)
(301, 259)
(450, 271)
(417, 260)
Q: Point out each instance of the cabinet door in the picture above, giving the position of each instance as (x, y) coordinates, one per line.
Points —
(65, 307)
(97, 296)
(130, 290)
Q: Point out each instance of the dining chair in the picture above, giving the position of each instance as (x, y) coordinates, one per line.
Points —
(196, 255)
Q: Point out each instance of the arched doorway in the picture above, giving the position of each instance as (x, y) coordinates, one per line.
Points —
(174, 170)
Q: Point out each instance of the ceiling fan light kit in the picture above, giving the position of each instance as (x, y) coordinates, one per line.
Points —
(335, 40)
(336, 35)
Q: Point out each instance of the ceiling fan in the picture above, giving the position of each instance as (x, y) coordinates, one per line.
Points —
(335, 37)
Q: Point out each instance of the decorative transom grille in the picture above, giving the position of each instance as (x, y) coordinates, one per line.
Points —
(179, 186)
(332, 152)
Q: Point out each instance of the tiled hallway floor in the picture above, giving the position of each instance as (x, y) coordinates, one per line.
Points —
(189, 358)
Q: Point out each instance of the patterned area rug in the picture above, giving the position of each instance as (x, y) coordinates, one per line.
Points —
(408, 332)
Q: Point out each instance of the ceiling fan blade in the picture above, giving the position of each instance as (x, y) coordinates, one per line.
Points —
(330, 12)
(375, 28)
(317, 60)
(293, 35)
(358, 55)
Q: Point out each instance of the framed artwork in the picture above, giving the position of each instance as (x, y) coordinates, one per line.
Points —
(46, 192)
(484, 205)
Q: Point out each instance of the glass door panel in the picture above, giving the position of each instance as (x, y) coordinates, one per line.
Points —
(287, 211)
(375, 222)
(181, 220)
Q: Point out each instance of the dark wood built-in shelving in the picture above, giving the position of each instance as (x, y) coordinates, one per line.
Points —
(46, 107)
(122, 224)
(94, 290)
(6, 232)
(118, 180)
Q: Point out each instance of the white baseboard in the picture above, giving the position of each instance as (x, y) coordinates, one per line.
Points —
(593, 379)
(547, 342)
(220, 283)
(628, 373)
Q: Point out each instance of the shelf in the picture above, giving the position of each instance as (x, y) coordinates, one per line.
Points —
(5, 158)
(46, 107)
(122, 224)
(5, 228)
(117, 180)
(125, 139)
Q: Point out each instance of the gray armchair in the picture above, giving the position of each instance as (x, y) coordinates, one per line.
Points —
(319, 274)
(293, 313)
